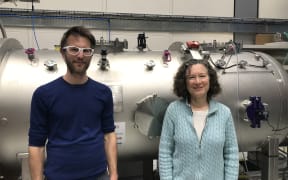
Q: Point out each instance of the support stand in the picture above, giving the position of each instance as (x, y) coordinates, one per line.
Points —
(148, 169)
(23, 158)
(269, 159)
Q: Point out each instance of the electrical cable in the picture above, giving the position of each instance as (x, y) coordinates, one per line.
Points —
(33, 26)
(220, 67)
(109, 30)
(237, 91)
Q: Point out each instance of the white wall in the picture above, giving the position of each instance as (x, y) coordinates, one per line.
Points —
(47, 38)
(277, 9)
(223, 8)
(73, 5)
(139, 6)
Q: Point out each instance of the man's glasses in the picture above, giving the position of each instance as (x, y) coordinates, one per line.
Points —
(73, 50)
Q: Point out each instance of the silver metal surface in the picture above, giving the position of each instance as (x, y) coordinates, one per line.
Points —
(140, 95)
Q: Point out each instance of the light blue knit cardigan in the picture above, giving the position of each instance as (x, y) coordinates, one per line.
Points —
(183, 157)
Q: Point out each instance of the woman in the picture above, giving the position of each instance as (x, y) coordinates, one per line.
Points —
(198, 139)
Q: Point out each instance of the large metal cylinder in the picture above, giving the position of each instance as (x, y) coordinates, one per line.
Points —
(141, 82)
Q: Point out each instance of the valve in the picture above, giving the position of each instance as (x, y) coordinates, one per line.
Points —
(30, 53)
(103, 62)
(166, 56)
(150, 65)
(193, 44)
(141, 41)
(3, 121)
(51, 65)
(256, 111)
(242, 64)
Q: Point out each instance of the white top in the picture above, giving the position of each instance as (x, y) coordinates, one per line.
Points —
(199, 120)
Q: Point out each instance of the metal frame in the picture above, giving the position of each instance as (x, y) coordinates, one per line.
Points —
(138, 22)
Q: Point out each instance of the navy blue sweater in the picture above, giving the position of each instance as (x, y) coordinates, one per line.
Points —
(72, 119)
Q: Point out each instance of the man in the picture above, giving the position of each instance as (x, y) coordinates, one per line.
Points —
(73, 117)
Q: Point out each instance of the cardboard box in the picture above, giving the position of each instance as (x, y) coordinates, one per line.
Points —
(264, 38)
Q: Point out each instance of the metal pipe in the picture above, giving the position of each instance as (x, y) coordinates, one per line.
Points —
(4, 35)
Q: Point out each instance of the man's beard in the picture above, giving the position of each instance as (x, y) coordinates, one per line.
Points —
(73, 70)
